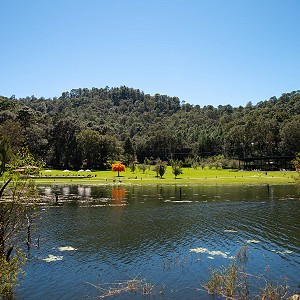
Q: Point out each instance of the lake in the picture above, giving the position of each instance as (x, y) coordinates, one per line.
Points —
(168, 237)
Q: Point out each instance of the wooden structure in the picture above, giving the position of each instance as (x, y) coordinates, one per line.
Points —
(268, 163)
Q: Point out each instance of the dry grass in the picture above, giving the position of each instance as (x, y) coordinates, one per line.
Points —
(233, 282)
(133, 285)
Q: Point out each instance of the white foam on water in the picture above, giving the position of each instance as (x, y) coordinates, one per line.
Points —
(52, 258)
(211, 253)
(66, 248)
(252, 241)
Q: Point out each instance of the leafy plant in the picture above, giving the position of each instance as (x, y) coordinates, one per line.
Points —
(17, 201)
(160, 168)
(233, 282)
(296, 163)
(176, 167)
(134, 285)
(142, 167)
(132, 167)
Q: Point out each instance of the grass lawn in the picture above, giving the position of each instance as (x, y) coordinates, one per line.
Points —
(189, 176)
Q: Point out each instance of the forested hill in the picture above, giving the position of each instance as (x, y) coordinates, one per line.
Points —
(92, 126)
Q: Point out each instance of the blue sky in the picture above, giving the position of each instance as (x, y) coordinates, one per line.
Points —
(213, 52)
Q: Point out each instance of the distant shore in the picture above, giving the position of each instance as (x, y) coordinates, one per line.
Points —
(189, 176)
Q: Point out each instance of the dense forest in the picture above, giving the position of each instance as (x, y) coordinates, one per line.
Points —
(91, 127)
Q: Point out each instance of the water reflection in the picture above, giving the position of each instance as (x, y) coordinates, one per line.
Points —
(118, 195)
(87, 191)
(48, 191)
(80, 190)
(66, 190)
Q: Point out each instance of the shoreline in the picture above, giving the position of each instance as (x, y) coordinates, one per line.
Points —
(189, 177)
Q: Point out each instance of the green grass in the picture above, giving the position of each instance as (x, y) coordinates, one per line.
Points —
(189, 176)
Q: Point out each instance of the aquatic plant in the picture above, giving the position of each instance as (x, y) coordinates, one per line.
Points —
(233, 282)
(133, 285)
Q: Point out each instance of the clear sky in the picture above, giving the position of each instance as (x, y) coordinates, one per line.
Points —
(204, 52)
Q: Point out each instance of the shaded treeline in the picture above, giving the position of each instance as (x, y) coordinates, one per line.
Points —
(89, 127)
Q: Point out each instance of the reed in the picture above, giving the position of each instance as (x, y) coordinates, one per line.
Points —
(233, 282)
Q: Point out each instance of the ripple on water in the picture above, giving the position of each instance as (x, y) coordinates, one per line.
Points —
(154, 239)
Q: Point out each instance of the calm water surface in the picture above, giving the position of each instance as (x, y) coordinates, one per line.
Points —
(148, 232)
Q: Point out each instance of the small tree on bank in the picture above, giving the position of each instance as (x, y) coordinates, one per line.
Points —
(160, 168)
(132, 167)
(142, 167)
(296, 163)
(118, 167)
(176, 167)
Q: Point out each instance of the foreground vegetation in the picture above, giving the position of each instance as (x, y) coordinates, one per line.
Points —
(234, 282)
(17, 201)
(227, 282)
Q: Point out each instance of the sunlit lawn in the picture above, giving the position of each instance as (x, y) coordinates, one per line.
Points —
(189, 176)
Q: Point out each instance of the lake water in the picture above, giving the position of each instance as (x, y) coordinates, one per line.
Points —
(117, 233)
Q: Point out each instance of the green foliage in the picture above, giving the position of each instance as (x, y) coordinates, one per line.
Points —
(233, 282)
(13, 216)
(95, 149)
(132, 167)
(129, 151)
(224, 282)
(142, 167)
(25, 163)
(149, 126)
(64, 152)
(160, 168)
(9, 271)
(5, 153)
(176, 167)
(296, 163)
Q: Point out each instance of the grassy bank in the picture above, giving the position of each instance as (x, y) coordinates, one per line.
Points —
(189, 176)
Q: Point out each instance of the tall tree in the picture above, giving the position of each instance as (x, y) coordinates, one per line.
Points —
(129, 151)
(290, 136)
(65, 150)
(5, 153)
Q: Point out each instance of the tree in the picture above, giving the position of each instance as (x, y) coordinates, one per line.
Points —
(129, 151)
(142, 167)
(290, 136)
(11, 138)
(109, 149)
(160, 168)
(14, 133)
(89, 144)
(36, 137)
(161, 143)
(17, 201)
(296, 163)
(5, 153)
(176, 167)
(14, 215)
(65, 150)
(118, 167)
(26, 163)
(132, 167)
(148, 126)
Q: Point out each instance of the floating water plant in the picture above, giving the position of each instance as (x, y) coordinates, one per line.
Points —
(67, 248)
(52, 258)
(211, 253)
(252, 241)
